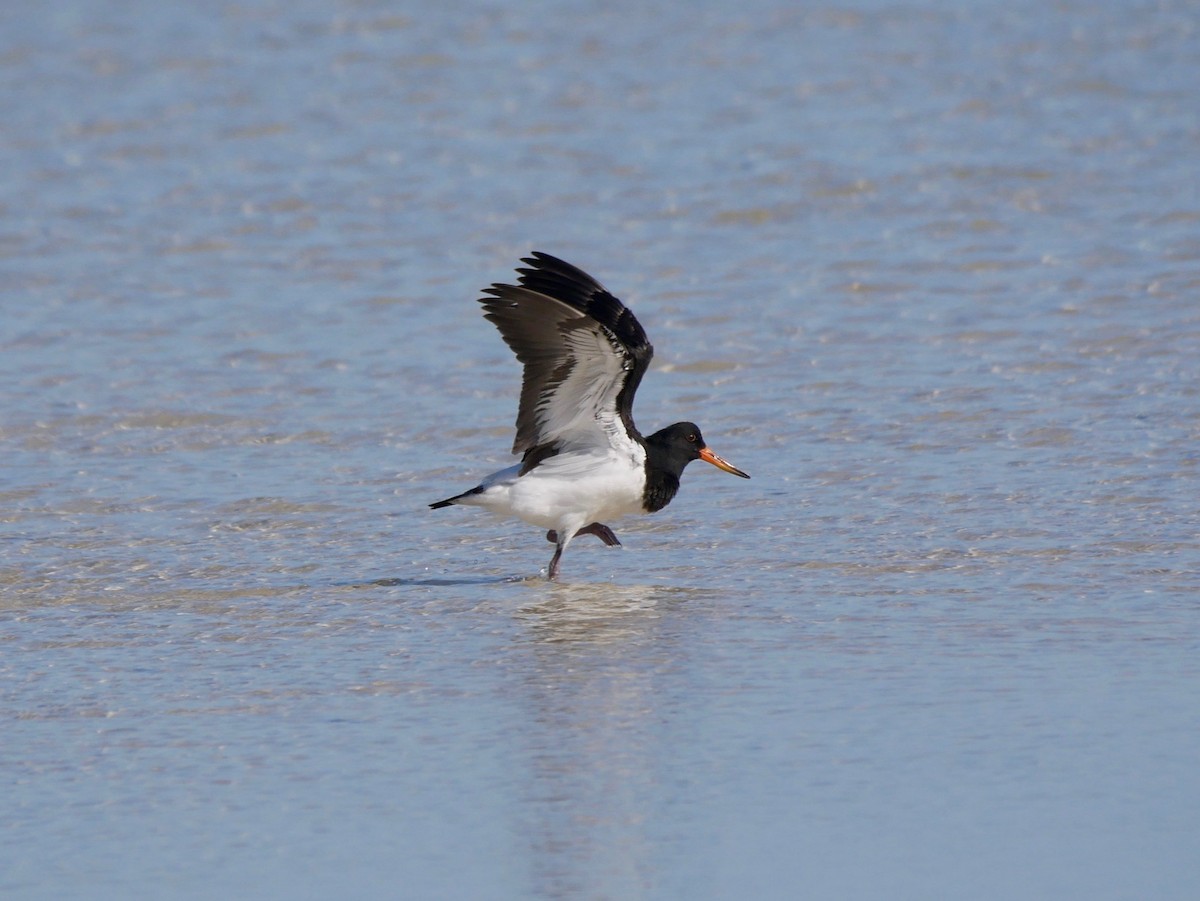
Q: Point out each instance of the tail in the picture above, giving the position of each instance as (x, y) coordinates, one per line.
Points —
(454, 500)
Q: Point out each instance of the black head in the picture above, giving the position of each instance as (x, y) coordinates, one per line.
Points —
(673, 448)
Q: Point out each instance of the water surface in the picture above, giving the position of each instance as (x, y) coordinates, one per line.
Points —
(927, 271)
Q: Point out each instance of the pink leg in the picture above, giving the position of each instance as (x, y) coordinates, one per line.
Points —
(552, 573)
(601, 531)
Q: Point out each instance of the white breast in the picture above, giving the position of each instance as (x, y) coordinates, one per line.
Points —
(569, 490)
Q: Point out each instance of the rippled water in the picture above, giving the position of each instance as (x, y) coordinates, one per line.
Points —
(929, 272)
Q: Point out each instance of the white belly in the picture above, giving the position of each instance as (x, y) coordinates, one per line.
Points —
(568, 491)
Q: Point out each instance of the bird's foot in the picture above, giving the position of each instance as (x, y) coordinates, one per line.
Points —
(601, 531)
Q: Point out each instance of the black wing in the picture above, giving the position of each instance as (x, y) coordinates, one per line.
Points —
(583, 351)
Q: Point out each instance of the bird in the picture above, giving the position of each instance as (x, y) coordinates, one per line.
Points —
(583, 461)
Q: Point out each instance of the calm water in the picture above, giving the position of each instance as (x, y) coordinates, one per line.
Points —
(928, 271)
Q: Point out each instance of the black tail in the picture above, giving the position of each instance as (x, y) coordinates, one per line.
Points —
(440, 504)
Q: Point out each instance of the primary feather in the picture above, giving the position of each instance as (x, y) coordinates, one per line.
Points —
(583, 353)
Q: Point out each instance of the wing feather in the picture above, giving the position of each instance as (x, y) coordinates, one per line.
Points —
(584, 354)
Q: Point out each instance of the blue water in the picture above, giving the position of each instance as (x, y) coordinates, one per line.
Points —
(928, 272)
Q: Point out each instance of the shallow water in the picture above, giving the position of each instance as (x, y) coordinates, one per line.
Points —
(928, 272)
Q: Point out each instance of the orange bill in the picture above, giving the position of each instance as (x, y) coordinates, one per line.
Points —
(709, 457)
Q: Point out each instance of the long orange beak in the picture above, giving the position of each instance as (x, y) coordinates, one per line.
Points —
(709, 457)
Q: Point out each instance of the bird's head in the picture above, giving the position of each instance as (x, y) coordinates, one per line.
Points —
(682, 443)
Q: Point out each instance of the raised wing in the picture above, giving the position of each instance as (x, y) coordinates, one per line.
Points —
(584, 355)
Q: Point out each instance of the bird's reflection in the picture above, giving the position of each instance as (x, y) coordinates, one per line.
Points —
(598, 677)
(593, 613)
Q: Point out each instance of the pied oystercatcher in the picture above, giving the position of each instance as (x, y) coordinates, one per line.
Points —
(584, 461)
